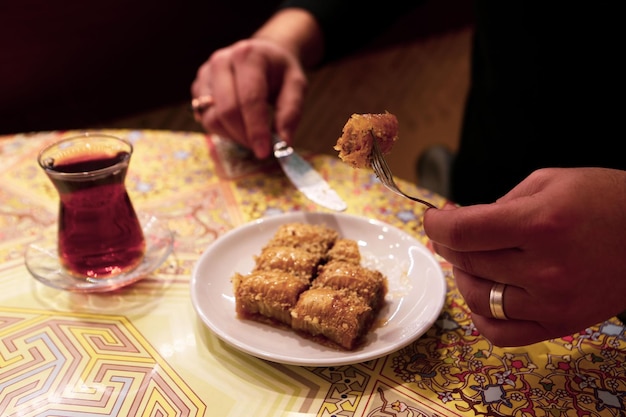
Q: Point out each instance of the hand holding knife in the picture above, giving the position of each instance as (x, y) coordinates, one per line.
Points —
(299, 171)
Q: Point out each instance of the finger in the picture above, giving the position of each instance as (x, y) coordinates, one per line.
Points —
(509, 266)
(253, 92)
(476, 291)
(289, 103)
(508, 333)
(518, 303)
(224, 116)
(205, 85)
(201, 103)
(529, 318)
(201, 97)
(480, 227)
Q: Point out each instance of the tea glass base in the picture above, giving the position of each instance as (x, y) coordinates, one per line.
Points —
(42, 261)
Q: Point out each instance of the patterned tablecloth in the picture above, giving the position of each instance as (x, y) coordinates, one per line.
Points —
(143, 351)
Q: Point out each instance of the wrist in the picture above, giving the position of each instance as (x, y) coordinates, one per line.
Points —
(297, 31)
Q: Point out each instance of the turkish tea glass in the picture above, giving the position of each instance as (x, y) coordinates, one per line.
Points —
(99, 234)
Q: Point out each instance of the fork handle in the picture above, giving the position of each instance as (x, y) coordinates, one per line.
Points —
(419, 200)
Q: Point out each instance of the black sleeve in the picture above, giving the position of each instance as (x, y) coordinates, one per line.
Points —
(350, 24)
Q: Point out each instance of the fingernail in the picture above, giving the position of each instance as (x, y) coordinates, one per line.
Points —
(260, 149)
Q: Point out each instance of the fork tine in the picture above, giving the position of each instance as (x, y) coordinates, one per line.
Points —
(382, 166)
(384, 174)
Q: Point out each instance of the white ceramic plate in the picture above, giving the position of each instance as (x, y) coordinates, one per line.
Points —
(417, 290)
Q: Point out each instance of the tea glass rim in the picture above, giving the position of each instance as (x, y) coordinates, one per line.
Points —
(83, 174)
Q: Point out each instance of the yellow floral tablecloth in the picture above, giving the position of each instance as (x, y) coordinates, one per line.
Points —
(142, 351)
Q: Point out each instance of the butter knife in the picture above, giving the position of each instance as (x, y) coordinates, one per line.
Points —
(305, 178)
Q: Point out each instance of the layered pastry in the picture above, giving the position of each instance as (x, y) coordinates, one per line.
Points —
(310, 279)
(313, 238)
(367, 283)
(339, 315)
(267, 295)
(344, 250)
(356, 141)
(296, 261)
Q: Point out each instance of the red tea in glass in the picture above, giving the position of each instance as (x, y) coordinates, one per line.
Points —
(99, 234)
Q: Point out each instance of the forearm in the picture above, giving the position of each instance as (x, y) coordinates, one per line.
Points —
(296, 30)
(345, 26)
(321, 30)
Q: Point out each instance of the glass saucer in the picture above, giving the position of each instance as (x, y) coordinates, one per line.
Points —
(43, 263)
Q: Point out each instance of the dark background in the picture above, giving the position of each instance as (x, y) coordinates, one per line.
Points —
(69, 63)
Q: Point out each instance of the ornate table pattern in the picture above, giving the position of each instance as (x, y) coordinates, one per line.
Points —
(142, 351)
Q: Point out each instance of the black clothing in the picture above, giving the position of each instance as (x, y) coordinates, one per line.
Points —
(543, 77)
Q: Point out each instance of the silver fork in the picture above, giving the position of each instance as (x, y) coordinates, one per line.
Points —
(383, 172)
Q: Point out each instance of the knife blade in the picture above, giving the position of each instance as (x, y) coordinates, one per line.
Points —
(305, 178)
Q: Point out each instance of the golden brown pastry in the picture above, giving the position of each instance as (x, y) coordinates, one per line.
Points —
(368, 284)
(339, 315)
(293, 260)
(310, 279)
(313, 238)
(271, 294)
(345, 250)
(356, 142)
